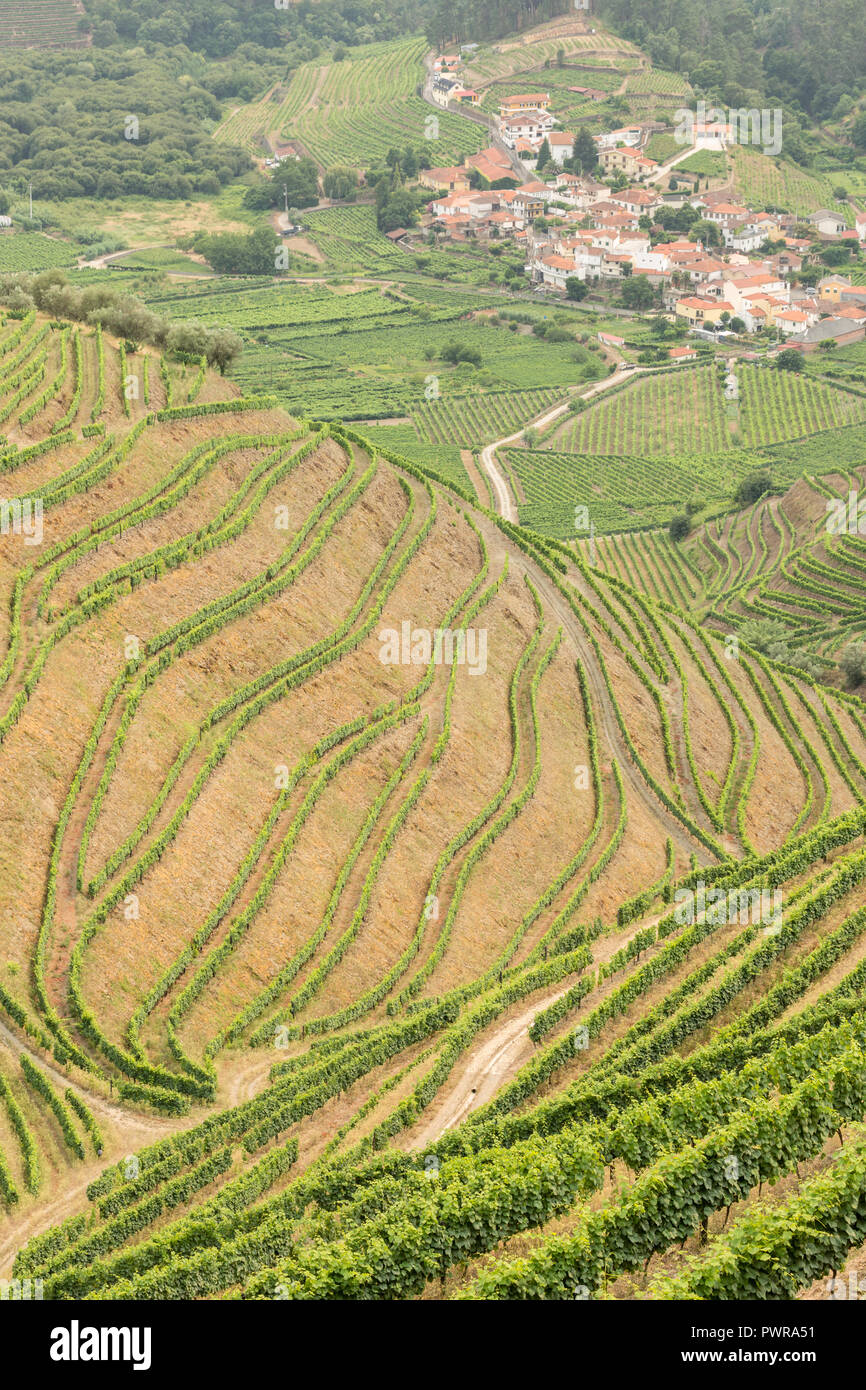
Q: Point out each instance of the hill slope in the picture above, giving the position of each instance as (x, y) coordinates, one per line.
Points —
(301, 914)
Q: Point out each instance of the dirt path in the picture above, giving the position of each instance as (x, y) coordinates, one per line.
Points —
(101, 261)
(129, 1132)
(496, 1058)
(500, 1056)
(502, 493)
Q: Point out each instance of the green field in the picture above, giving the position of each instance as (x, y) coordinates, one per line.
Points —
(42, 23)
(34, 251)
(354, 111)
(764, 182)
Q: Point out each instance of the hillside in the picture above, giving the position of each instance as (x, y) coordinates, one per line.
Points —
(302, 917)
(432, 674)
(42, 24)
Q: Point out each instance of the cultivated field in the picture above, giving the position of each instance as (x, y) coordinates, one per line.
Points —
(353, 111)
(343, 964)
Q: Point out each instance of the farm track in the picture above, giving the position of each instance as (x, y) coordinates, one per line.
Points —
(498, 1057)
(502, 491)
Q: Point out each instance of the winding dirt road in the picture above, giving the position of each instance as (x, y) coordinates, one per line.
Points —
(504, 503)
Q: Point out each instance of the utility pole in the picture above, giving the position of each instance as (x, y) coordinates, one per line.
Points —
(30, 190)
(286, 196)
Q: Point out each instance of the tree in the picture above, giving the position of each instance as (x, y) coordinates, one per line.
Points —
(853, 663)
(790, 360)
(188, 338)
(544, 155)
(774, 640)
(395, 208)
(584, 155)
(455, 352)
(858, 130)
(637, 292)
(704, 231)
(340, 182)
(736, 325)
(222, 347)
(232, 253)
(576, 288)
(295, 179)
(679, 527)
(753, 486)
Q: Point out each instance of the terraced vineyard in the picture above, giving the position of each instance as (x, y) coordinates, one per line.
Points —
(764, 182)
(538, 48)
(354, 111)
(33, 251)
(41, 23)
(344, 961)
(638, 454)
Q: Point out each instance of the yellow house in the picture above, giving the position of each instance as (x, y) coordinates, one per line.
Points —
(698, 312)
(830, 289)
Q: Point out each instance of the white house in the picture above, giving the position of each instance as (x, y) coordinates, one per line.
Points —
(561, 144)
(533, 126)
(826, 222)
(745, 237)
(555, 270)
(628, 135)
(444, 89)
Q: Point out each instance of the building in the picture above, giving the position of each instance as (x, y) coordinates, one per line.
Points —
(625, 160)
(838, 330)
(636, 201)
(454, 179)
(443, 89)
(561, 144)
(699, 312)
(744, 237)
(519, 105)
(555, 270)
(826, 222)
(830, 289)
(630, 135)
(533, 126)
(467, 96)
(494, 173)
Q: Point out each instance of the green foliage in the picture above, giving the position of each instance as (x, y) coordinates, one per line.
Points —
(790, 360)
(752, 487)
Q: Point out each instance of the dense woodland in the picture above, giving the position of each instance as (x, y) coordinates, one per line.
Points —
(134, 113)
(812, 56)
(807, 56)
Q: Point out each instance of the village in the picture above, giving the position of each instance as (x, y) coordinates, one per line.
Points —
(749, 271)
